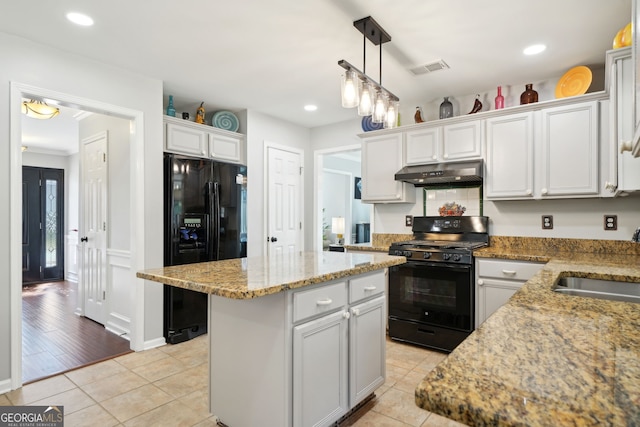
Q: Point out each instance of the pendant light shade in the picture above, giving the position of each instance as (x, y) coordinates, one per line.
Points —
(391, 117)
(365, 107)
(350, 86)
(360, 90)
(39, 110)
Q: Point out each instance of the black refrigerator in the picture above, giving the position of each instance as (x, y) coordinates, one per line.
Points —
(205, 220)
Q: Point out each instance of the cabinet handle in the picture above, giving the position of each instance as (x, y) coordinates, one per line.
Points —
(625, 146)
(369, 288)
(355, 311)
(509, 272)
(529, 192)
(346, 314)
(446, 156)
(544, 191)
(480, 282)
(326, 301)
(434, 157)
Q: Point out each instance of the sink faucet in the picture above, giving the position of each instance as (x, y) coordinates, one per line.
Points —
(636, 236)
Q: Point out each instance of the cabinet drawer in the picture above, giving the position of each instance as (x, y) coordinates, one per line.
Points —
(320, 300)
(513, 270)
(366, 286)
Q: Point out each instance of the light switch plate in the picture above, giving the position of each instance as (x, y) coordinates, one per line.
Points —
(611, 222)
(547, 222)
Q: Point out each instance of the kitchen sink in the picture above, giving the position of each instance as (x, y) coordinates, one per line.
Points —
(601, 289)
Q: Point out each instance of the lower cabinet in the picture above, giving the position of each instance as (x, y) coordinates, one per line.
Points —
(301, 357)
(497, 280)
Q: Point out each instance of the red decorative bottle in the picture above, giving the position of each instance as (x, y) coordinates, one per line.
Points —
(499, 99)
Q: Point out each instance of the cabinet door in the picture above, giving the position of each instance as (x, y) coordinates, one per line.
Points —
(493, 294)
(382, 157)
(462, 140)
(422, 146)
(320, 363)
(225, 148)
(185, 140)
(569, 140)
(366, 349)
(510, 157)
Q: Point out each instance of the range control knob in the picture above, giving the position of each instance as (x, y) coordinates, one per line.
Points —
(446, 256)
(397, 252)
(407, 254)
(457, 257)
(426, 255)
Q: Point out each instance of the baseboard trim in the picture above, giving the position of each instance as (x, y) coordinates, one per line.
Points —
(158, 342)
(5, 386)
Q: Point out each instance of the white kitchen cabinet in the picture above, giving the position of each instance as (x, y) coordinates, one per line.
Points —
(194, 139)
(624, 169)
(423, 145)
(569, 143)
(497, 280)
(382, 157)
(320, 370)
(549, 153)
(367, 331)
(187, 140)
(510, 156)
(462, 140)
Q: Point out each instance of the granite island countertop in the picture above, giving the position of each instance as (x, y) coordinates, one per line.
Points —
(246, 278)
(546, 359)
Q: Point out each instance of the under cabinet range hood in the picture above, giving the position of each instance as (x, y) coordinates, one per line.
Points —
(450, 174)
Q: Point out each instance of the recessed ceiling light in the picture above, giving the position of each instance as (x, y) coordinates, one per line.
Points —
(80, 19)
(310, 107)
(534, 49)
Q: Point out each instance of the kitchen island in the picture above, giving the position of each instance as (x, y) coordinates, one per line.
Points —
(545, 358)
(295, 339)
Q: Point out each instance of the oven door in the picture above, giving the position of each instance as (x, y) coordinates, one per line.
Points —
(432, 293)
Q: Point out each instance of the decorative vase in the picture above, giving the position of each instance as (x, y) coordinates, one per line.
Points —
(170, 110)
(446, 108)
(200, 114)
(417, 117)
(499, 99)
(529, 95)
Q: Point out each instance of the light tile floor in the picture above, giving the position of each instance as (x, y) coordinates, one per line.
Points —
(167, 386)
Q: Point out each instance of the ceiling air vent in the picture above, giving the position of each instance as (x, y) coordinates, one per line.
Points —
(429, 68)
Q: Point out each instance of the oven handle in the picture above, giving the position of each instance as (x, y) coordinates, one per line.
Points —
(422, 265)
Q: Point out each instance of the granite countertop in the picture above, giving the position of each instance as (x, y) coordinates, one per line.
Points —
(546, 359)
(246, 278)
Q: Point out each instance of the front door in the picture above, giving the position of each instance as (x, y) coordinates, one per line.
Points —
(284, 199)
(42, 224)
(93, 226)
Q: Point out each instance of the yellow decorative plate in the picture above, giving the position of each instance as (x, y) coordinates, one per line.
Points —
(576, 81)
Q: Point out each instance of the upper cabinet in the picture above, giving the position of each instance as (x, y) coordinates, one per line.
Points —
(457, 141)
(634, 143)
(382, 157)
(194, 139)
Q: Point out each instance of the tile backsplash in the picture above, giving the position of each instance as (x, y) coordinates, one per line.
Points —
(467, 197)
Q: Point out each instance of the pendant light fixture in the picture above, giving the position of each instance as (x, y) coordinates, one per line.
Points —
(360, 90)
(39, 110)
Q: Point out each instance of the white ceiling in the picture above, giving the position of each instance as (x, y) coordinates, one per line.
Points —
(275, 56)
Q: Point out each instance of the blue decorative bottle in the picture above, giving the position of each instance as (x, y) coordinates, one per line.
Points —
(170, 110)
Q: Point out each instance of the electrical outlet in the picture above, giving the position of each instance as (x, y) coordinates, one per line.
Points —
(611, 222)
(547, 222)
(408, 220)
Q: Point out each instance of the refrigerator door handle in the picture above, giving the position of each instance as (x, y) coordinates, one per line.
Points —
(214, 215)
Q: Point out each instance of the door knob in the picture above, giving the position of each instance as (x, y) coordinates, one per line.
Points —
(84, 239)
(274, 239)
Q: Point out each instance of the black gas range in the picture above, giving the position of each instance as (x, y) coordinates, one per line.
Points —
(432, 296)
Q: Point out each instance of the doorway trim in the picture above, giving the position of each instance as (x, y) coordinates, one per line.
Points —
(318, 167)
(137, 239)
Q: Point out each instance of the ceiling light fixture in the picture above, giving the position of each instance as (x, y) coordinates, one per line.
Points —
(80, 19)
(360, 90)
(534, 49)
(310, 107)
(39, 109)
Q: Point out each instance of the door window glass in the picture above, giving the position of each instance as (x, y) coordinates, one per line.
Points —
(51, 223)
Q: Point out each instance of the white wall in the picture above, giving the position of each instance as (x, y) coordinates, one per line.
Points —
(262, 128)
(40, 66)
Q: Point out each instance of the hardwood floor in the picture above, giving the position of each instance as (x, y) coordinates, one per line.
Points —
(54, 339)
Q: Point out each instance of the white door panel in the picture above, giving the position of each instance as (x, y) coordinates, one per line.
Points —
(93, 226)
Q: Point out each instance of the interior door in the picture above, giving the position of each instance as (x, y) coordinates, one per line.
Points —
(284, 199)
(42, 224)
(93, 226)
